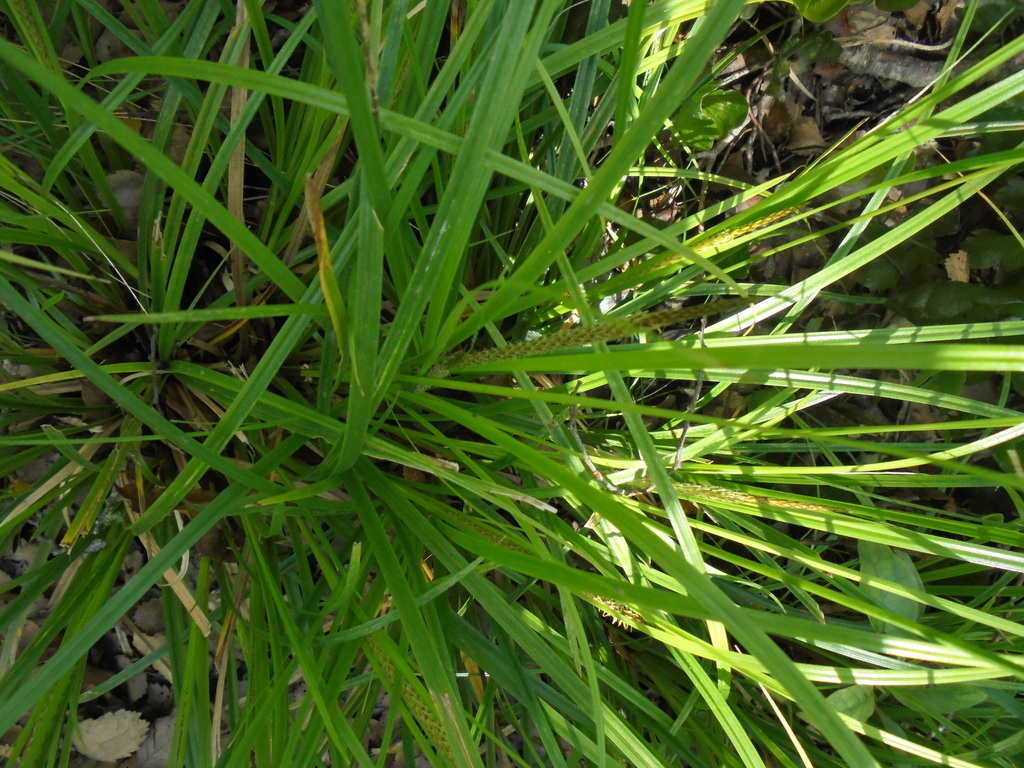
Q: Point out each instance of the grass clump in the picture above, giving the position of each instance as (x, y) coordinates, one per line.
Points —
(350, 336)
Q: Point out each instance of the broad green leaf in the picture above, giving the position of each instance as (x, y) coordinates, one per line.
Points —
(820, 10)
(708, 116)
(941, 700)
(857, 701)
(884, 562)
(987, 249)
(895, 6)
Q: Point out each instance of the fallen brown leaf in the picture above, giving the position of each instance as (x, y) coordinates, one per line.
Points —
(113, 736)
(957, 267)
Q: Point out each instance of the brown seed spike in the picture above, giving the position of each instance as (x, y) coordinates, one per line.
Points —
(607, 329)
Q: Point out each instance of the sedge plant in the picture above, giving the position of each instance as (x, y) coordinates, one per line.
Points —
(353, 294)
